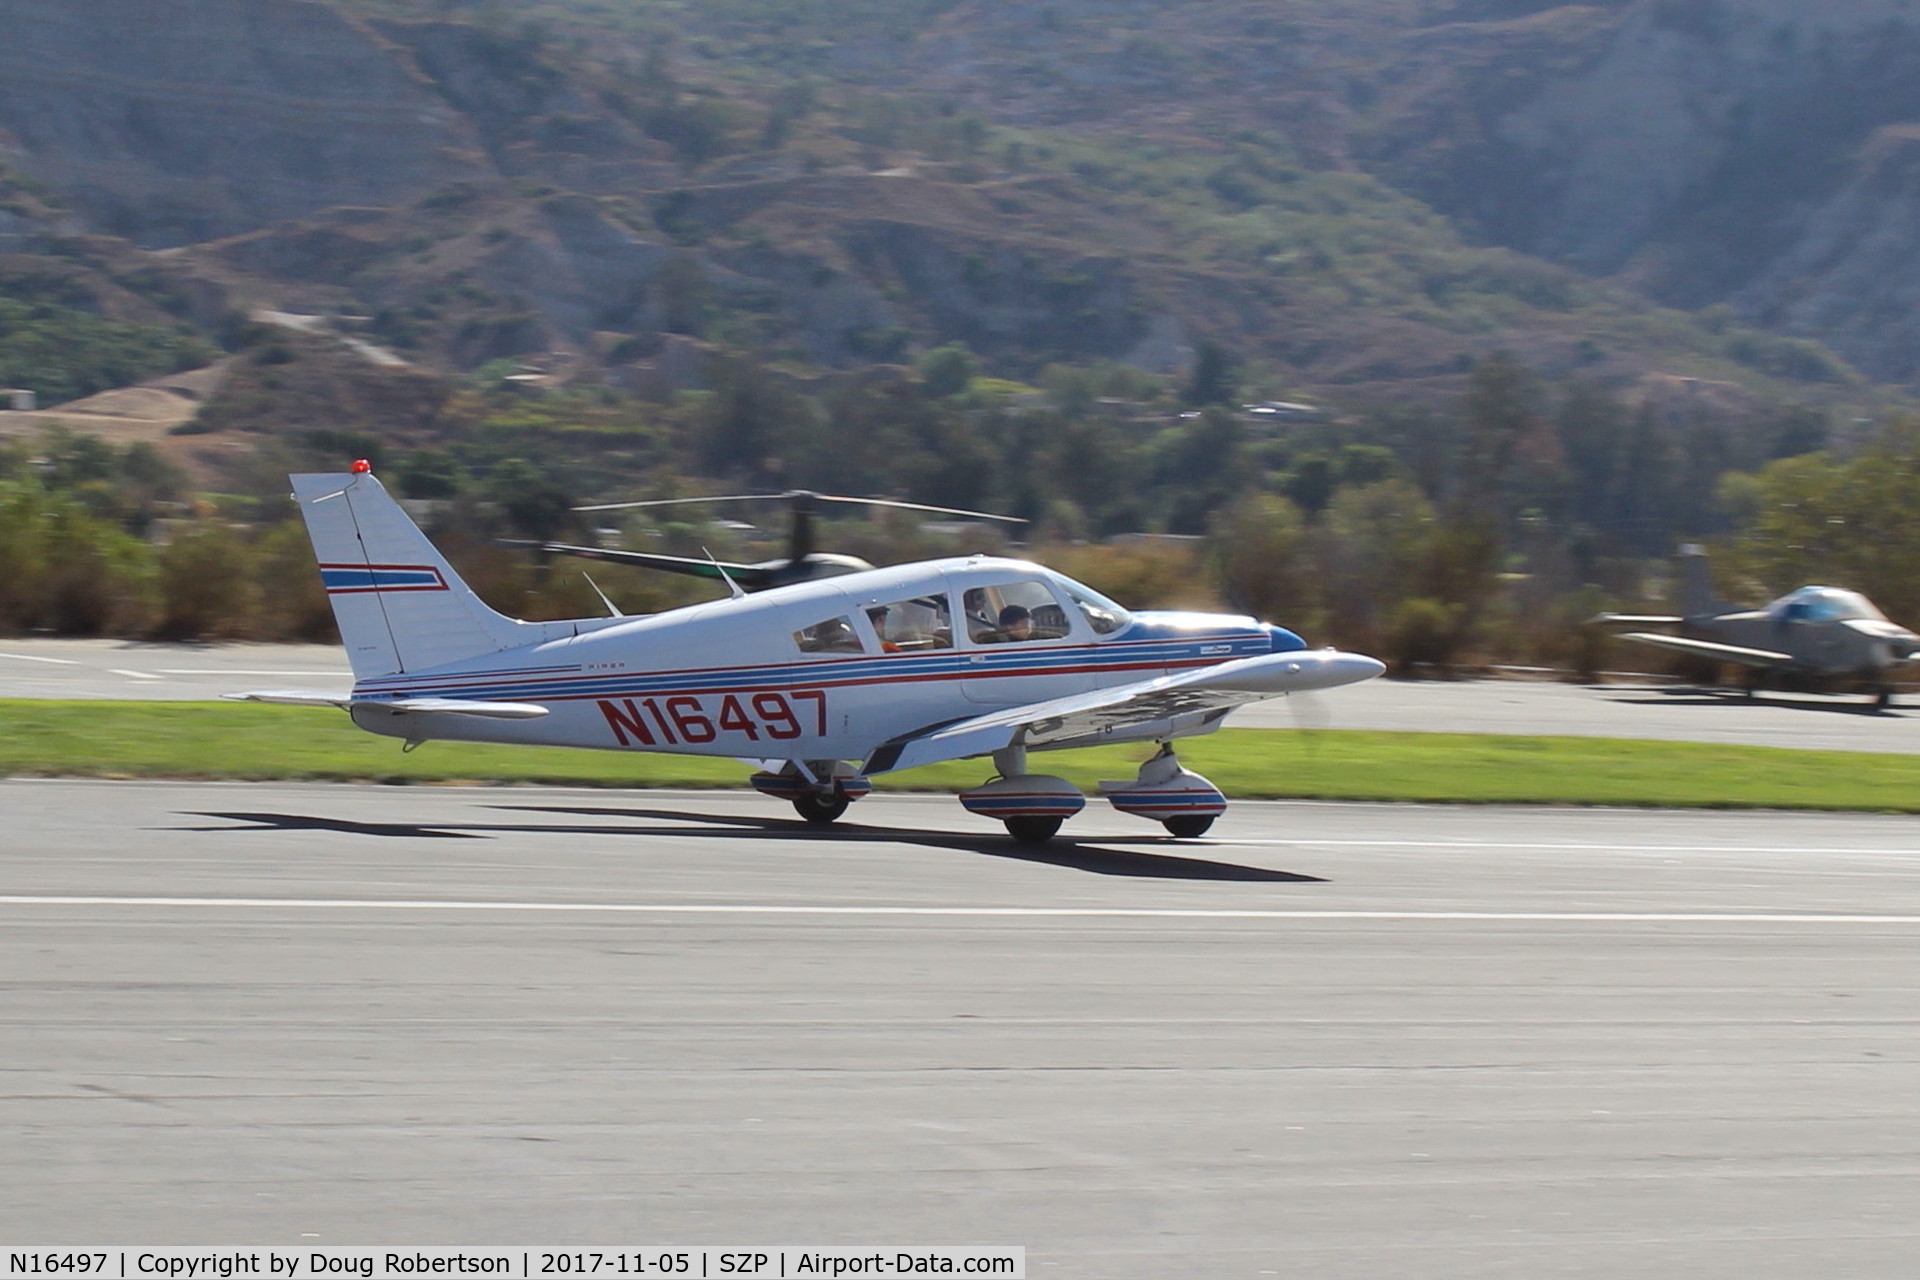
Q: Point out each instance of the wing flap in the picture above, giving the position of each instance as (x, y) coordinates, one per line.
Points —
(1709, 649)
(1165, 706)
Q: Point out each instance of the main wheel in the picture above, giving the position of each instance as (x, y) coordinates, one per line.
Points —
(1032, 830)
(1188, 825)
(819, 810)
(1883, 699)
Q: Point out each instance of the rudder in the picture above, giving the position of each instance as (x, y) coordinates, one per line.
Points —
(1695, 593)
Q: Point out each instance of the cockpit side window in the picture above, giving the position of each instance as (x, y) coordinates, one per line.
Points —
(1013, 613)
(835, 635)
(919, 622)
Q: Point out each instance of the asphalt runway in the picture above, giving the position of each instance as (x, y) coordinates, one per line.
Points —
(85, 669)
(1334, 1041)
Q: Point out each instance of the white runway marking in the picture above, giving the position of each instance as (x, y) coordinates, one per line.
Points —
(1018, 913)
(137, 675)
(27, 657)
(327, 672)
(1307, 842)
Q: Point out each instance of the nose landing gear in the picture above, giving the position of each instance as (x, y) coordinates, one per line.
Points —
(820, 792)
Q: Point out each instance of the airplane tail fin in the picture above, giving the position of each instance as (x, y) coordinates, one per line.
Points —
(1696, 582)
(400, 605)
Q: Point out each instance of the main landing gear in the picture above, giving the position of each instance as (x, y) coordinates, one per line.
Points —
(1178, 799)
(1033, 805)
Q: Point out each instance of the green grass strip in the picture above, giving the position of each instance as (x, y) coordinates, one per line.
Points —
(217, 740)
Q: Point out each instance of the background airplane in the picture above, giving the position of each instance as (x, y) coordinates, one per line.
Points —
(820, 684)
(1813, 639)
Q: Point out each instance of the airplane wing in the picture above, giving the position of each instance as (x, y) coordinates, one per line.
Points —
(1708, 649)
(1166, 706)
(445, 706)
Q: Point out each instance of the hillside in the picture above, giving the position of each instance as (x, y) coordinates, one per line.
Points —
(840, 183)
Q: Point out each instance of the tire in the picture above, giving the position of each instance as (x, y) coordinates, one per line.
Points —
(1189, 825)
(1032, 830)
(1883, 699)
(818, 810)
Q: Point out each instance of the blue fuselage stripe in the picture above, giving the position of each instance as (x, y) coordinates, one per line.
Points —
(944, 665)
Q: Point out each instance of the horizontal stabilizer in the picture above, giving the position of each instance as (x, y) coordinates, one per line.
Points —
(459, 707)
(292, 698)
(1635, 620)
(1708, 649)
(438, 706)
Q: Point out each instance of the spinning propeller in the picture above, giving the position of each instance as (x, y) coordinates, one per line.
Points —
(801, 563)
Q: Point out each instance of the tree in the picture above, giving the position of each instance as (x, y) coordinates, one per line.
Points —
(1259, 555)
(532, 504)
(205, 589)
(946, 371)
(1215, 376)
(1846, 522)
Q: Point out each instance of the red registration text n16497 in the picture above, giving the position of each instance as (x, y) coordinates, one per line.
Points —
(685, 719)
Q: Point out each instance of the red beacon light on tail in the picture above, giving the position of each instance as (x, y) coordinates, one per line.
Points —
(361, 467)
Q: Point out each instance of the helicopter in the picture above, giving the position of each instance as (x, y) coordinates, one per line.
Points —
(802, 563)
(818, 684)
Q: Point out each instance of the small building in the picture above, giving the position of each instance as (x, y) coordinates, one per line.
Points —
(1285, 411)
(20, 400)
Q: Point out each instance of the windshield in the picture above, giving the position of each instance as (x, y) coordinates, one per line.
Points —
(1825, 604)
(1102, 614)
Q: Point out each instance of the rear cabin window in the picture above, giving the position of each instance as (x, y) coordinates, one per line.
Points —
(835, 635)
(919, 622)
(1013, 613)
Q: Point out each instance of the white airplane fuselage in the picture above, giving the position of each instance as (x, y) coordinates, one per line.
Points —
(729, 678)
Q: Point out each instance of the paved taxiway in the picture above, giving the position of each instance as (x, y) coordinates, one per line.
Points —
(1336, 1041)
(84, 669)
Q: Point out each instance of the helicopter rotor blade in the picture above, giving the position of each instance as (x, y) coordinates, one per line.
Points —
(802, 499)
(921, 506)
(750, 576)
(683, 502)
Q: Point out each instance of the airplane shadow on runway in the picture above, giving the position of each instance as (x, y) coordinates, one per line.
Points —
(1065, 852)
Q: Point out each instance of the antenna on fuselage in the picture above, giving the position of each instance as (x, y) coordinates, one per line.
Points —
(612, 612)
(721, 569)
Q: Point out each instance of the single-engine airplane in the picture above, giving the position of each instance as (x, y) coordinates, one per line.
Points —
(1813, 639)
(820, 684)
